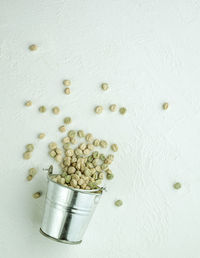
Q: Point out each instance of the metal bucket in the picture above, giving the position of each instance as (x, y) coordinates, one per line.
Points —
(67, 211)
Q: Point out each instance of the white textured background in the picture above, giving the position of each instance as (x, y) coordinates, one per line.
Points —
(149, 52)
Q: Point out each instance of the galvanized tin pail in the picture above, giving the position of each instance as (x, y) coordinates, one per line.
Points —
(67, 211)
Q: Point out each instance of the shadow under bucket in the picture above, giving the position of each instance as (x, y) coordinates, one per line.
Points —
(67, 211)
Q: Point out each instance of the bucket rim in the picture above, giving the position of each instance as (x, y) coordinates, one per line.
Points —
(94, 191)
(60, 240)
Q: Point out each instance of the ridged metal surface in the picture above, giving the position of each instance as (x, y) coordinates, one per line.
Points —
(67, 212)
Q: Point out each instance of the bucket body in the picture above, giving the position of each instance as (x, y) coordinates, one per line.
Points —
(67, 212)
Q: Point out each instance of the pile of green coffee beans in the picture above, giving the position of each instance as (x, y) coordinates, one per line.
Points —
(83, 167)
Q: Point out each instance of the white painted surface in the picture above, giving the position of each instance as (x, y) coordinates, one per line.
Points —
(148, 51)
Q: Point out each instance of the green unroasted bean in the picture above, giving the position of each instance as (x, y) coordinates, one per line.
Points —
(95, 176)
(41, 135)
(95, 154)
(81, 133)
(101, 175)
(113, 107)
(72, 133)
(42, 109)
(67, 82)
(108, 171)
(29, 178)
(104, 86)
(78, 152)
(67, 91)
(165, 106)
(114, 147)
(107, 161)
(30, 147)
(55, 179)
(52, 145)
(98, 168)
(109, 176)
(28, 103)
(90, 146)
(74, 159)
(95, 162)
(67, 120)
(71, 170)
(118, 203)
(89, 165)
(52, 153)
(64, 174)
(90, 158)
(122, 110)
(96, 142)
(92, 170)
(103, 144)
(58, 158)
(75, 176)
(102, 157)
(87, 172)
(73, 140)
(104, 166)
(58, 151)
(27, 155)
(68, 179)
(62, 129)
(110, 157)
(89, 137)
(37, 195)
(66, 140)
(98, 109)
(177, 186)
(33, 47)
(66, 146)
(62, 181)
(56, 110)
(78, 172)
(98, 182)
(92, 185)
(80, 181)
(86, 151)
(32, 172)
(82, 146)
(73, 182)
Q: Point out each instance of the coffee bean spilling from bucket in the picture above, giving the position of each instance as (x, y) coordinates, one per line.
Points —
(82, 166)
(31, 173)
(29, 149)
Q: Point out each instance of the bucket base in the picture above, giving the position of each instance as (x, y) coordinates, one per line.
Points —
(60, 240)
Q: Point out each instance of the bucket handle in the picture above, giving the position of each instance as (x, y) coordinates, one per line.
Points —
(50, 170)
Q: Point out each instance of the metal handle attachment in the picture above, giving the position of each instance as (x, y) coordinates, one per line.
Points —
(50, 170)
